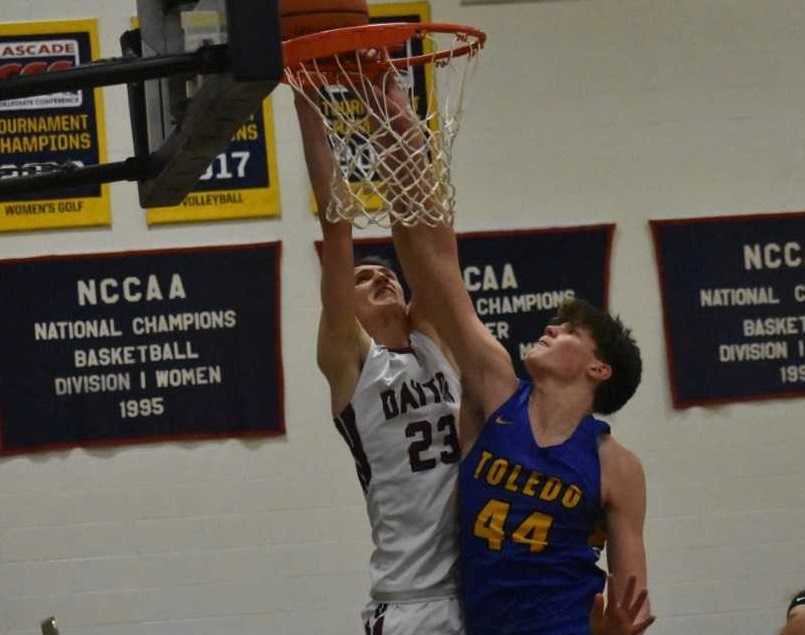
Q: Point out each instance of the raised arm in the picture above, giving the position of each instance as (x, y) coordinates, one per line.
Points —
(429, 258)
(342, 342)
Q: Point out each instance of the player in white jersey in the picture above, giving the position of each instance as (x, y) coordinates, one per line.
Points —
(394, 396)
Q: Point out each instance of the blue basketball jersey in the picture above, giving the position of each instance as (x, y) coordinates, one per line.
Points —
(531, 526)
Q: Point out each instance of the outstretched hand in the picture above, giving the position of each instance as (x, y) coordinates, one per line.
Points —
(620, 615)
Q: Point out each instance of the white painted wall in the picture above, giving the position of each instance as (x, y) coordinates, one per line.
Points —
(583, 111)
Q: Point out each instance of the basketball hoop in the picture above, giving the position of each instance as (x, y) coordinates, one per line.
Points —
(391, 166)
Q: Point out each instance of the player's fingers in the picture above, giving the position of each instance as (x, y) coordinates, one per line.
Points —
(368, 56)
(628, 594)
(598, 606)
(640, 628)
(634, 609)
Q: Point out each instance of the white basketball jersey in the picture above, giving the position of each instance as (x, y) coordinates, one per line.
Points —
(401, 427)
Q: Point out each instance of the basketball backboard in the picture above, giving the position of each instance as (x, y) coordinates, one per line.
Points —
(195, 70)
(191, 118)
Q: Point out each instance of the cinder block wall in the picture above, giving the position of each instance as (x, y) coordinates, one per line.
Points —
(580, 112)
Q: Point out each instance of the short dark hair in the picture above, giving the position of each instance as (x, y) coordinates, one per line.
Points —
(377, 261)
(797, 600)
(614, 345)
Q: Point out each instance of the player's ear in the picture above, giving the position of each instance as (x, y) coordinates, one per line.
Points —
(599, 370)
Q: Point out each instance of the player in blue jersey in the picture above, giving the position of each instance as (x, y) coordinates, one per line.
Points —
(542, 484)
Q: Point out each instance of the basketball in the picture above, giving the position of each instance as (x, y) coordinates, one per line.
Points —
(300, 17)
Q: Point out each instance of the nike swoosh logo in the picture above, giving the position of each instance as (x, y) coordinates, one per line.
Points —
(503, 422)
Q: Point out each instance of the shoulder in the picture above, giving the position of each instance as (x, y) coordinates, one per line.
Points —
(342, 365)
(617, 457)
(622, 472)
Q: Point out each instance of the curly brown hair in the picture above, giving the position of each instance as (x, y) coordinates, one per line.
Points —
(615, 345)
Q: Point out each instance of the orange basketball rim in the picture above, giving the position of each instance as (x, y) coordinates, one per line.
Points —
(324, 46)
(391, 167)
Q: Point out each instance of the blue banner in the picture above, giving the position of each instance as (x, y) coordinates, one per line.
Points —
(733, 293)
(243, 165)
(146, 346)
(240, 182)
(517, 279)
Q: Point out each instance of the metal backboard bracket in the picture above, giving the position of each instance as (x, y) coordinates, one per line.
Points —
(195, 72)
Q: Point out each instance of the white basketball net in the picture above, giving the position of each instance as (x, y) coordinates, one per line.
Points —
(384, 175)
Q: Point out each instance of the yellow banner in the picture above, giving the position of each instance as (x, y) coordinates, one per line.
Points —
(42, 132)
(400, 12)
